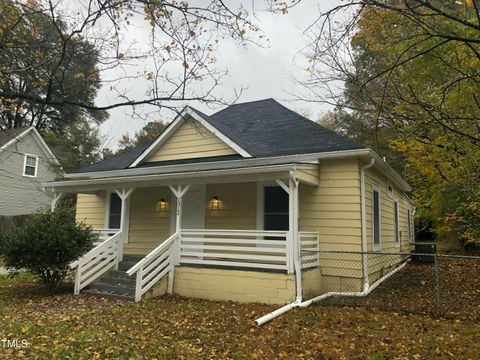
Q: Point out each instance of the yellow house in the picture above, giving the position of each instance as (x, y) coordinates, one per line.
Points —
(235, 206)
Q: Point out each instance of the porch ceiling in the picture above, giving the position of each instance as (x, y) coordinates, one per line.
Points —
(305, 173)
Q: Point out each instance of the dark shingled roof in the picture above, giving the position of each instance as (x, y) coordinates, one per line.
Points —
(267, 128)
(9, 134)
(263, 128)
(117, 162)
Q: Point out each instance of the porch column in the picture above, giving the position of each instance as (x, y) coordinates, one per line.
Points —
(179, 191)
(56, 198)
(293, 226)
(124, 195)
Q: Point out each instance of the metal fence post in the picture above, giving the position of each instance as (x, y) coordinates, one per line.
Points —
(438, 299)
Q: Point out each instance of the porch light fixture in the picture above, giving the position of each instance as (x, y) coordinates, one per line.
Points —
(215, 203)
(162, 204)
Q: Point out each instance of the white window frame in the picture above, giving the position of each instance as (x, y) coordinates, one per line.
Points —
(410, 224)
(396, 227)
(390, 194)
(25, 165)
(377, 247)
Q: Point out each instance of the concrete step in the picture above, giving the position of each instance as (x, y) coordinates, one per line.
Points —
(120, 281)
(93, 292)
(119, 274)
(126, 265)
(113, 289)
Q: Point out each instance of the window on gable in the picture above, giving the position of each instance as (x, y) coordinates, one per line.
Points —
(30, 166)
(376, 218)
(396, 223)
(115, 213)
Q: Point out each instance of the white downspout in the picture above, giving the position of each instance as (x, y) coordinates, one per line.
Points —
(266, 318)
(364, 223)
(366, 289)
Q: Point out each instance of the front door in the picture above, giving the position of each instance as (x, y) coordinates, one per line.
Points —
(194, 202)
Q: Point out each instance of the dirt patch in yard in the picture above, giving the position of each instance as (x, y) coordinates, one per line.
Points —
(67, 326)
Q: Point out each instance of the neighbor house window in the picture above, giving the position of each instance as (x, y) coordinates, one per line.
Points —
(276, 208)
(115, 211)
(30, 165)
(376, 218)
(396, 224)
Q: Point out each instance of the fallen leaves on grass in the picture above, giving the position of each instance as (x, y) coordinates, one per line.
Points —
(81, 327)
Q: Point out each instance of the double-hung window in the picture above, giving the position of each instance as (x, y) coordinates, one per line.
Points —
(30, 165)
(410, 225)
(396, 223)
(376, 219)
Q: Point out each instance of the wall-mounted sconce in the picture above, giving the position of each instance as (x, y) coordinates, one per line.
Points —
(215, 203)
(162, 204)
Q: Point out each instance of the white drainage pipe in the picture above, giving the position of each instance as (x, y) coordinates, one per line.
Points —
(266, 318)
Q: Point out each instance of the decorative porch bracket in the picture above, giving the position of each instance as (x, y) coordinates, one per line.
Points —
(56, 198)
(179, 191)
(124, 195)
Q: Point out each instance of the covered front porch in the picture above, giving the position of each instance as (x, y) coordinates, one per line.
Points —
(241, 222)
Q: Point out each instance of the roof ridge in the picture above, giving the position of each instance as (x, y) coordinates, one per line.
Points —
(244, 103)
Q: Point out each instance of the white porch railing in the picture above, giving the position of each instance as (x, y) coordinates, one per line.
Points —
(309, 249)
(97, 261)
(235, 248)
(153, 267)
(104, 234)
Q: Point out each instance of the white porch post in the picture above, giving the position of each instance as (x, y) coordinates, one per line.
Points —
(290, 237)
(124, 195)
(56, 198)
(178, 191)
(293, 226)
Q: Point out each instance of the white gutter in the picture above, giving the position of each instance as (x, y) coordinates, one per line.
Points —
(177, 177)
(214, 165)
(364, 223)
(266, 318)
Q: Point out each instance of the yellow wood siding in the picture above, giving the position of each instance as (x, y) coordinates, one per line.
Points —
(378, 264)
(333, 210)
(191, 140)
(238, 206)
(149, 224)
(91, 209)
(310, 176)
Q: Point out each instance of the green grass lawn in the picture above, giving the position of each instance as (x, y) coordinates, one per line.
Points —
(66, 326)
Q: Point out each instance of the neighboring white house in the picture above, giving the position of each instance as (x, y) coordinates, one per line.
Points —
(25, 163)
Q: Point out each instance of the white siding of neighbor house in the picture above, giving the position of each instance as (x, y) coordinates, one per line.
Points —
(22, 195)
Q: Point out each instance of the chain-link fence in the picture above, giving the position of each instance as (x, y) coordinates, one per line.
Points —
(431, 284)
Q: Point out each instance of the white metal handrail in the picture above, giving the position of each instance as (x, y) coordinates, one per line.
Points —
(153, 267)
(309, 248)
(97, 261)
(260, 249)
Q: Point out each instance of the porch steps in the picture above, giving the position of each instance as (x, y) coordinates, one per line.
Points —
(115, 284)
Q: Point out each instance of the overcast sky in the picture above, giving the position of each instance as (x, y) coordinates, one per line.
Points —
(262, 72)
